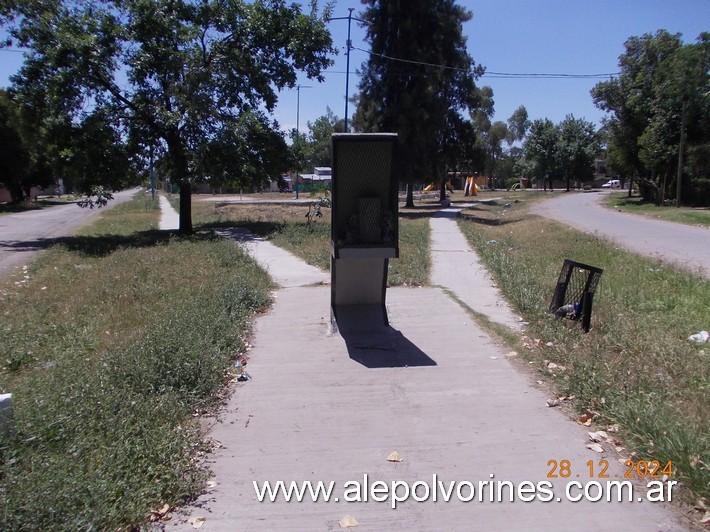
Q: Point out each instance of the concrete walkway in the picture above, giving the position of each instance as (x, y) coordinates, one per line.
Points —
(24, 234)
(686, 246)
(456, 266)
(169, 217)
(437, 389)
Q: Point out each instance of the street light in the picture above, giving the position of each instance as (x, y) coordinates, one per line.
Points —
(298, 133)
(349, 46)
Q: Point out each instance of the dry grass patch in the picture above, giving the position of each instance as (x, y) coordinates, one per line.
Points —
(636, 366)
(285, 225)
(111, 341)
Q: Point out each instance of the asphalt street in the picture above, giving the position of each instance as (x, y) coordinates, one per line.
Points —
(24, 234)
(686, 246)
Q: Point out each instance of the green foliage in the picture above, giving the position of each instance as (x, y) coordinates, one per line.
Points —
(415, 100)
(102, 198)
(662, 93)
(541, 150)
(578, 146)
(14, 158)
(563, 151)
(319, 140)
(184, 78)
(104, 395)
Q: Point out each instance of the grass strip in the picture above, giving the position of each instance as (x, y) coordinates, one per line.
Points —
(112, 340)
(635, 367)
(286, 227)
(635, 205)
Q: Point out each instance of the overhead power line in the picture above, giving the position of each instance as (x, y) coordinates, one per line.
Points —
(548, 76)
(498, 75)
(487, 74)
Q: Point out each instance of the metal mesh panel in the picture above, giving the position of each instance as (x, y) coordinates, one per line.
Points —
(363, 172)
(574, 292)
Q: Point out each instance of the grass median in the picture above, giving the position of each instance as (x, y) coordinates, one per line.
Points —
(286, 226)
(635, 368)
(112, 340)
(635, 205)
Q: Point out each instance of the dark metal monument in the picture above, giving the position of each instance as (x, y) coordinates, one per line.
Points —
(364, 229)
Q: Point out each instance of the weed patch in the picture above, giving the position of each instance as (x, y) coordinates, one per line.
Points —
(636, 366)
(286, 226)
(115, 340)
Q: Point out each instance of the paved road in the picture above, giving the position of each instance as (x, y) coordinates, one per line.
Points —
(24, 234)
(684, 245)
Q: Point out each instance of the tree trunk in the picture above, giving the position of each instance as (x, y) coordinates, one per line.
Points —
(185, 209)
(178, 163)
(662, 199)
(410, 196)
(442, 186)
(17, 193)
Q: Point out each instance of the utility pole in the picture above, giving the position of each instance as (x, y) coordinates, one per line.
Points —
(298, 133)
(349, 46)
(152, 174)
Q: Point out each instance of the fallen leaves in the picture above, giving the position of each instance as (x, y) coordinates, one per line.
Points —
(595, 447)
(348, 521)
(161, 514)
(394, 457)
(557, 401)
(531, 343)
(197, 521)
(598, 436)
(586, 418)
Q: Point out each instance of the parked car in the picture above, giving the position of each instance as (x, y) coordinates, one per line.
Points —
(612, 183)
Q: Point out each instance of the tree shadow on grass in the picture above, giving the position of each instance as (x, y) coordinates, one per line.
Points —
(261, 228)
(102, 245)
(490, 221)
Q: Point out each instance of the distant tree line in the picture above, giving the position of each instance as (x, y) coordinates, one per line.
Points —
(658, 129)
(109, 82)
(109, 85)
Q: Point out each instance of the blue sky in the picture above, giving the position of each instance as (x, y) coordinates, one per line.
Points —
(523, 36)
(516, 36)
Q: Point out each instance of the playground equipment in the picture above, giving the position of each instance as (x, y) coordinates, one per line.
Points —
(435, 186)
(364, 227)
(470, 188)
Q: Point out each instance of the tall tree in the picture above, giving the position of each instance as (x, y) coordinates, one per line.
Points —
(518, 125)
(418, 70)
(174, 74)
(577, 147)
(541, 151)
(14, 158)
(320, 132)
(629, 98)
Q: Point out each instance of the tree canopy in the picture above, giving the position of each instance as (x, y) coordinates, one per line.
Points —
(184, 77)
(418, 76)
(563, 151)
(661, 97)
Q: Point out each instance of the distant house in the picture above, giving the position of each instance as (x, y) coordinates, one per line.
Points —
(321, 176)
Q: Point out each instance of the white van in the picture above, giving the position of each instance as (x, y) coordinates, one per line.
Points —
(612, 183)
